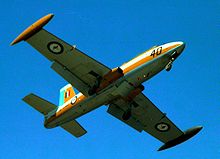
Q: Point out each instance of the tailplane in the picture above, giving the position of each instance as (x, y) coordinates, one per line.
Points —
(38, 103)
(47, 109)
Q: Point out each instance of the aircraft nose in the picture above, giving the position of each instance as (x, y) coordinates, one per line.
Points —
(181, 47)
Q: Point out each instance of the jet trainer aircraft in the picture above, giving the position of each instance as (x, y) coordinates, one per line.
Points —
(119, 88)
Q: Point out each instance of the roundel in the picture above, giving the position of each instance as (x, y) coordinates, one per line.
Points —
(162, 127)
(73, 100)
(55, 47)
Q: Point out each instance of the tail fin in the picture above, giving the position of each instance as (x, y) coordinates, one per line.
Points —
(66, 93)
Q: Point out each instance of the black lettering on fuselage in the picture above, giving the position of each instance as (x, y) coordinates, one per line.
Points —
(156, 52)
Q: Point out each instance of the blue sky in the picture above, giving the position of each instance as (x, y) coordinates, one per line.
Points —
(112, 32)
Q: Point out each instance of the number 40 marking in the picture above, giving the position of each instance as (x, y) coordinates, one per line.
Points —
(156, 52)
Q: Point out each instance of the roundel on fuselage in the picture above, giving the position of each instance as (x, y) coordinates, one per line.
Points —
(73, 100)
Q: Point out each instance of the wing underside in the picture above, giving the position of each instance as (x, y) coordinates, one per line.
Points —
(77, 68)
(74, 66)
(146, 116)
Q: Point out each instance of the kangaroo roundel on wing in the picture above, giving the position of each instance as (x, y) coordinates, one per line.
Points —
(162, 127)
(55, 47)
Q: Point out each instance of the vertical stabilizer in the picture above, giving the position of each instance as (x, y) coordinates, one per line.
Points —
(66, 93)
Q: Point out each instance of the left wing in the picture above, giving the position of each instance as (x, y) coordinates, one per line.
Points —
(80, 70)
(144, 115)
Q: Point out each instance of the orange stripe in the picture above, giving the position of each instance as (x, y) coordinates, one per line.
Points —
(66, 108)
(144, 60)
(69, 106)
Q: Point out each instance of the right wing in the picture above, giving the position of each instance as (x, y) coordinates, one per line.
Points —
(146, 116)
(77, 68)
(154, 121)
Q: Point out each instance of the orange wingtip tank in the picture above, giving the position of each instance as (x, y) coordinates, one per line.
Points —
(33, 29)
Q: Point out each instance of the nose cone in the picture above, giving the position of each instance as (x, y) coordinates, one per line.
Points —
(178, 46)
(174, 49)
(181, 46)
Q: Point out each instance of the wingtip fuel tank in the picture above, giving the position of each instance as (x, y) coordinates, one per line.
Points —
(35, 27)
(186, 135)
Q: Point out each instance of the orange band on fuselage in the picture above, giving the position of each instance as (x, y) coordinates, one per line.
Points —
(66, 108)
(136, 64)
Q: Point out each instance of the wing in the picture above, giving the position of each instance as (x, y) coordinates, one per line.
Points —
(154, 121)
(146, 116)
(77, 68)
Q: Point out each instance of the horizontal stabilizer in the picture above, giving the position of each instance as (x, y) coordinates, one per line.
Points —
(39, 104)
(187, 135)
(74, 128)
